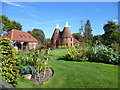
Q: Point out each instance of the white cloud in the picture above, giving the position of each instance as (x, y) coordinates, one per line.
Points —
(115, 20)
(14, 4)
(35, 16)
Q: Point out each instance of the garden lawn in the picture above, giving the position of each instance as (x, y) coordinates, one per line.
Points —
(71, 74)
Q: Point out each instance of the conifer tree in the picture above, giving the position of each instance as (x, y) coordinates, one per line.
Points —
(88, 32)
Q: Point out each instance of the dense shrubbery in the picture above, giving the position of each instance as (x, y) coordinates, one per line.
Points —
(78, 53)
(116, 47)
(102, 53)
(97, 53)
(25, 58)
(8, 60)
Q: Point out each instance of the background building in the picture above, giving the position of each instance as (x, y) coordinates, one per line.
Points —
(21, 40)
(62, 38)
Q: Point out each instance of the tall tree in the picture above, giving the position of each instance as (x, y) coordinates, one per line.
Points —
(7, 25)
(88, 32)
(111, 34)
(38, 34)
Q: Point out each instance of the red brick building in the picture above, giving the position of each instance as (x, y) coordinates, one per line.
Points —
(21, 40)
(62, 38)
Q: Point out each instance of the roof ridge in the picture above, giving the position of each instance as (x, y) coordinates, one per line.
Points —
(12, 34)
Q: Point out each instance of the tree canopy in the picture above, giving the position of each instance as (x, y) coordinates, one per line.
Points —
(78, 36)
(7, 25)
(38, 34)
(111, 34)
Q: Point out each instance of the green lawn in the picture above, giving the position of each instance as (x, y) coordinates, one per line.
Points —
(71, 74)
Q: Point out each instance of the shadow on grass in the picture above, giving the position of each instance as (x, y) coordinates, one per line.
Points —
(62, 58)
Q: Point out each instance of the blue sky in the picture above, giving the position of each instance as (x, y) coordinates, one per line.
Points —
(45, 15)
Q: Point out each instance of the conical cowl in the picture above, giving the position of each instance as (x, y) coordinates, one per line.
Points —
(56, 32)
(66, 32)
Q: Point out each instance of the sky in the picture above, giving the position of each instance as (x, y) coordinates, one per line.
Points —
(45, 15)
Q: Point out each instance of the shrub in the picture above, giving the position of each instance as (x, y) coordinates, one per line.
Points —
(116, 48)
(102, 53)
(28, 70)
(41, 61)
(78, 53)
(63, 47)
(9, 70)
(25, 58)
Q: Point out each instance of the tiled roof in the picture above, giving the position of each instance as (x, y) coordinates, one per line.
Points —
(56, 33)
(66, 33)
(19, 36)
(75, 41)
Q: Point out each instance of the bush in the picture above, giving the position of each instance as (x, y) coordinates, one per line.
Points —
(116, 48)
(25, 58)
(41, 61)
(78, 53)
(8, 60)
(63, 47)
(28, 70)
(101, 53)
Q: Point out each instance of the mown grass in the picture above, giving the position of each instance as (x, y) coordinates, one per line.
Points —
(70, 74)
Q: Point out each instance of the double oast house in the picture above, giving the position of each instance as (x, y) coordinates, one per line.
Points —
(21, 40)
(62, 38)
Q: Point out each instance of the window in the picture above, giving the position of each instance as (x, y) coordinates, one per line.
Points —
(29, 36)
(20, 35)
(24, 36)
(66, 39)
(71, 44)
(71, 39)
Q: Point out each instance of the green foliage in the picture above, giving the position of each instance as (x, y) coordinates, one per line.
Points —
(97, 39)
(38, 34)
(78, 36)
(116, 48)
(78, 52)
(8, 57)
(63, 47)
(8, 25)
(88, 32)
(101, 53)
(28, 70)
(25, 58)
(111, 35)
(41, 61)
(47, 43)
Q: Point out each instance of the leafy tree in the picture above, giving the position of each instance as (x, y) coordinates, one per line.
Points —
(7, 25)
(16, 25)
(88, 32)
(111, 34)
(97, 39)
(38, 34)
(78, 36)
